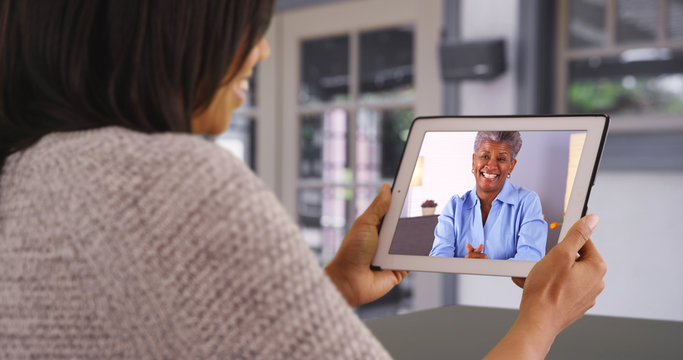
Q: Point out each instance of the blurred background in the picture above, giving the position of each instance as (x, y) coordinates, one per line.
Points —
(328, 114)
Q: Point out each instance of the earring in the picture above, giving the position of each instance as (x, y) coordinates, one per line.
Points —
(509, 175)
(472, 171)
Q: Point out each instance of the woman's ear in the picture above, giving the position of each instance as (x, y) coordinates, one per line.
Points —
(513, 165)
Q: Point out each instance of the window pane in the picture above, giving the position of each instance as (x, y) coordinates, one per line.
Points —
(324, 70)
(240, 139)
(675, 19)
(644, 81)
(386, 63)
(323, 214)
(637, 20)
(380, 138)
(324, 149)
(587, 23)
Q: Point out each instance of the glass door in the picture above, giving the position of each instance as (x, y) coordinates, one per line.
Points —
(349, 105)
(352, 126)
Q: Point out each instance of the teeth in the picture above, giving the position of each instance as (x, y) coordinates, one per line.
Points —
(244, 85)
(489, 176)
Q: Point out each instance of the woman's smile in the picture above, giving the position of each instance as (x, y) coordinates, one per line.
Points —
(489, 176)
(240, 89)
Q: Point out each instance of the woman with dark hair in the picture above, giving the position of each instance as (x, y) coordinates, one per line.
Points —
(123, 236)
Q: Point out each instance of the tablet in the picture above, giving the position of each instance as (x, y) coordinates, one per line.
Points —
(488, 195)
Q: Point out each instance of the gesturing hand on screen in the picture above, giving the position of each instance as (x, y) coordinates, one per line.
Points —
(350, 269)
(473, 253)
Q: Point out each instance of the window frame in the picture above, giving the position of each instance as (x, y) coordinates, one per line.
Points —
(564, 55)
(342, 19)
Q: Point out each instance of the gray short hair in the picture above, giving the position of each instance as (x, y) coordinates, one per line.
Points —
(511, 138)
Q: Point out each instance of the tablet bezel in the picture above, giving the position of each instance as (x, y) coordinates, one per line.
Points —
(595, 126)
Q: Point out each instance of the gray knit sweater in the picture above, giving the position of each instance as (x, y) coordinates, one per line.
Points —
(117, 244)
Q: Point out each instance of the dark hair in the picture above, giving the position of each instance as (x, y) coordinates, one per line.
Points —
(147, 65)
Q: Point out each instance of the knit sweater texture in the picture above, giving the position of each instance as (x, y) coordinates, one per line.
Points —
(120, 245)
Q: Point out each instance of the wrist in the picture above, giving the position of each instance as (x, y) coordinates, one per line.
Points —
(534, 336)
(339, 282)
(526, 339)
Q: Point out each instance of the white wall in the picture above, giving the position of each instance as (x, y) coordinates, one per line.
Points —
(487, 19)
(446, 171)
(640, 237)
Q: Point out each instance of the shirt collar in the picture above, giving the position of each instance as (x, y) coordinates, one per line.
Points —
(508, 194)
(472, 199)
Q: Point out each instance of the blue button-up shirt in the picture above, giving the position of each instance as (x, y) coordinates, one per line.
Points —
(514, 229)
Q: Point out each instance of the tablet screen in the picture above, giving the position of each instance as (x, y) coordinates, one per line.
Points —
(459, 174)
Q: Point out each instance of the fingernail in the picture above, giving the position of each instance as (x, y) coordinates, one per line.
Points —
(592, 221)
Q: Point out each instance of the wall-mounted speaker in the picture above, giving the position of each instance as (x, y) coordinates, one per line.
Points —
(472, 60)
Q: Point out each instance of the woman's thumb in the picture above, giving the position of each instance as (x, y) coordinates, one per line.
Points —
(580, 232)
(380, 205)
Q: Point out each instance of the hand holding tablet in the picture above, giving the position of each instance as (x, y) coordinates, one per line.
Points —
(350, 269)
(558, 291)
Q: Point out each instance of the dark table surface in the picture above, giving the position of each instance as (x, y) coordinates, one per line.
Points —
(464, 332)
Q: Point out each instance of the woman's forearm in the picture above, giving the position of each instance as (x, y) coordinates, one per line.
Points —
(526, 339)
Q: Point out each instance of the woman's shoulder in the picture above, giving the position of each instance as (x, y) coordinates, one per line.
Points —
(121, 144)
(465, 200)
(114, 164)
(524, 194)
(132, 153)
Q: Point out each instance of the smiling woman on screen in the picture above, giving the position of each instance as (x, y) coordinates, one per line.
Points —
(495, 220)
